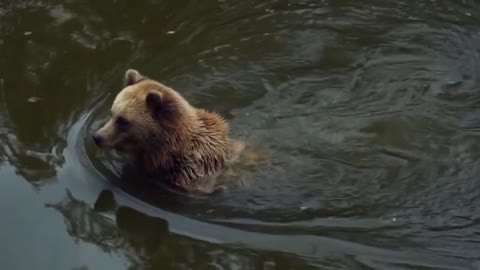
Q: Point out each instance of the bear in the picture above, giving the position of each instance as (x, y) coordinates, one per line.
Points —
(166, 137)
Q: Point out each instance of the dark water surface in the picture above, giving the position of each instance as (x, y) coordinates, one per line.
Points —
(369, 111)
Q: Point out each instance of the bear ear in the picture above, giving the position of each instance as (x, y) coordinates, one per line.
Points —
(159, 104)
(153, 100)
(132, 77)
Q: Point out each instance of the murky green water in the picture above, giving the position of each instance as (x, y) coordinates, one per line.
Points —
(369, 110)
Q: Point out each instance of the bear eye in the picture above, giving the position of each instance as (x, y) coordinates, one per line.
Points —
(122, 123)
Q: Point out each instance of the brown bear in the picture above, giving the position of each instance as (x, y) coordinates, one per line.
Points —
(166, 137)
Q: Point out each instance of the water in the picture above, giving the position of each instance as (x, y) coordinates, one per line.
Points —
(368, 110)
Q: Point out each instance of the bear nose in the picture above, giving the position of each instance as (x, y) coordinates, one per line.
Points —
(97, 139)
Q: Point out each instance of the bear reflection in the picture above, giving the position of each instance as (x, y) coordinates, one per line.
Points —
(144, 240)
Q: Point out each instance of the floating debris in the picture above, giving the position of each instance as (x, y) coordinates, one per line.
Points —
(34, 99)
(28, 33)
(171, 32)
(468, 14)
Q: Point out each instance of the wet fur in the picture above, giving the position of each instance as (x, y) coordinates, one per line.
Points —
(171, 141)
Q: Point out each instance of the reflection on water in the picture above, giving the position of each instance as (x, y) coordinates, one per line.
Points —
(146, 242)
(368, 110)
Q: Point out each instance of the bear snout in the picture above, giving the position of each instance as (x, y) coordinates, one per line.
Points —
(98, 139)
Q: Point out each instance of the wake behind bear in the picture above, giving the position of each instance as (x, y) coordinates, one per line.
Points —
(166, 137)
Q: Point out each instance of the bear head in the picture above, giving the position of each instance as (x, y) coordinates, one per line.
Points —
(146, 114)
